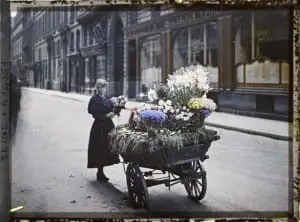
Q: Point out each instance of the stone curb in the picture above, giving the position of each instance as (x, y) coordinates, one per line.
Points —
(252, 132)
(232, 128)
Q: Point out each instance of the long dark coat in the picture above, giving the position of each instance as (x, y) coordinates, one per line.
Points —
(98, 152)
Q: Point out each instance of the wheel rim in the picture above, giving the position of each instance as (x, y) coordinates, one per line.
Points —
(137, 189)
(196, 183)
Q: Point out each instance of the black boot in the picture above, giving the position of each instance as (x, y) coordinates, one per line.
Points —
(101, 176)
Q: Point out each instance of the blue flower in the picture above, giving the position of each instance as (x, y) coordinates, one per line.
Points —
(153, 115)
(205, 112)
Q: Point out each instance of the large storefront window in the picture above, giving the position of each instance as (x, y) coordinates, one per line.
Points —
(262, 48)
(198, 45)
(150, 61)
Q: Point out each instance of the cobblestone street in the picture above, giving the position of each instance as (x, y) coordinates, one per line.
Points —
(49, 174)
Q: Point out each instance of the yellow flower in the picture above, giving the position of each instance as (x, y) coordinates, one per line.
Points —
(195, 103)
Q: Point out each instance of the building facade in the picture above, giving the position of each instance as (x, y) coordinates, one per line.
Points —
(246, 52)
(16, 46)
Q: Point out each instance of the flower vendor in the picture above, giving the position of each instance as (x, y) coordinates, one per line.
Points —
(101, 108)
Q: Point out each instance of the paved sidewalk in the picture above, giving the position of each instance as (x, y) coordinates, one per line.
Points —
(257, 126)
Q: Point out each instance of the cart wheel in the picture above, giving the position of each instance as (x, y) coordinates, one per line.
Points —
(137, 189)
(196, 184)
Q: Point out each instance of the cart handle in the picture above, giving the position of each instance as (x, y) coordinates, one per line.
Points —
(215, 138)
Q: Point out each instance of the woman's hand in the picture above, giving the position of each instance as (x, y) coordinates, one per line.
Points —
(111, 115)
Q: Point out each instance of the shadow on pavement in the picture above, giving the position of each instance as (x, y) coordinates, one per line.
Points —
(168, 202)
(110, 192)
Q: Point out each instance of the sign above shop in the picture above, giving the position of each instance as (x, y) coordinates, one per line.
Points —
(174, 21)
(195, 16)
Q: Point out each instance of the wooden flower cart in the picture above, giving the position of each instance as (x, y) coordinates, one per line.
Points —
(181, 165)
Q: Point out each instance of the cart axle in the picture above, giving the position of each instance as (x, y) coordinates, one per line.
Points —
(167, 182)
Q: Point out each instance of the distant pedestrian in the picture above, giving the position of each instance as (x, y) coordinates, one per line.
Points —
(101, 108)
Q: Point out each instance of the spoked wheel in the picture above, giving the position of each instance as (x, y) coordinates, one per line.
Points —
(137, 188)
(196, 183)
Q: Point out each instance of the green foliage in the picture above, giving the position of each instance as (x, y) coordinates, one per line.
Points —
(124, 140)
(180, 97)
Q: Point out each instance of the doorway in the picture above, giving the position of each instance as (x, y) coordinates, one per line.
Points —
(132, 74)
(77, 78)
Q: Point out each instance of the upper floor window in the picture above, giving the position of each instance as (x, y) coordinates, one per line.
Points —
(132, 16)
(155, 12)
(91, 35)
(72, 16)
(40, 29)
(54, 49)
(72, 42)
(77, 39)
(40, 53)
(166, 10)
(48, 20)
(65, 12)
(44, 24)
(59, 17)
(58, 48)
(84, 35)
(144, 14)
(53, 18)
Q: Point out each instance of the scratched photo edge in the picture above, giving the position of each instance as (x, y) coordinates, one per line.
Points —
(294, 164)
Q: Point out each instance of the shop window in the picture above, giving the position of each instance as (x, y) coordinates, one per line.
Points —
(150, 61)
(197, 45)
(262, 48)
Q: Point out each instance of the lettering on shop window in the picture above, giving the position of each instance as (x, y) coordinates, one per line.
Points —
(273, 72)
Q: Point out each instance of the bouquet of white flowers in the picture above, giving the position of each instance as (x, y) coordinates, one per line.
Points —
(186, 83)
(119, 103)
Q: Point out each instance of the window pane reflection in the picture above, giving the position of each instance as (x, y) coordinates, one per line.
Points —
(197, 45)
(150, 61)
(261, 47)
